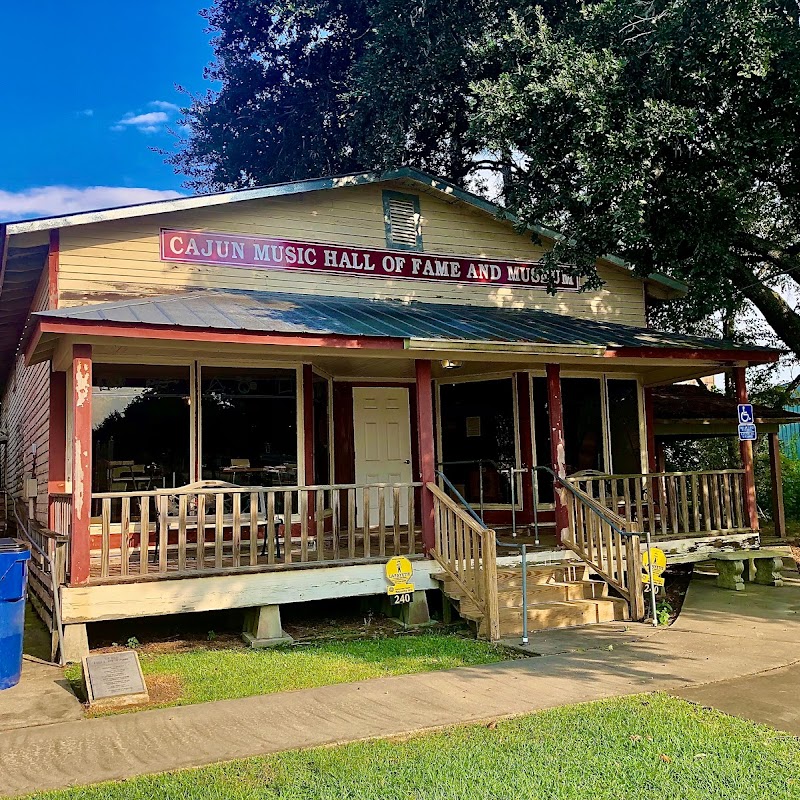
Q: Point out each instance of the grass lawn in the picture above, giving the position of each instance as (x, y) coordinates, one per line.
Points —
(649, 746)
(204, 673)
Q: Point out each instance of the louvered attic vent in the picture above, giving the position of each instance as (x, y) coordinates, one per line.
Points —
(402, 219)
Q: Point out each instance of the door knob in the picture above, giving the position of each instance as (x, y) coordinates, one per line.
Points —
(407, 461)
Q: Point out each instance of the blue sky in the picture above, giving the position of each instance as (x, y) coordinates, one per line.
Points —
(88, 90)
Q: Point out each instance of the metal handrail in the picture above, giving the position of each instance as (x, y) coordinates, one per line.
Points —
(467, 507)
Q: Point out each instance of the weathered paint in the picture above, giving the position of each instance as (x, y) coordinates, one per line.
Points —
(746, 450)
(557, 451)
(80, 544)
(427, 456)
(52, 269)
(650, 428)
(57, 476)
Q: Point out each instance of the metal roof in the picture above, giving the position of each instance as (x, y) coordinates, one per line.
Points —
(273, 312)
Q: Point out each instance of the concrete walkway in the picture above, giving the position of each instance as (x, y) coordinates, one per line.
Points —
(720, 636)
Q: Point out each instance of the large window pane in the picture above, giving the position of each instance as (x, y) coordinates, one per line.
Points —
(583, 424)
(541, 430)
(478, 423)
(322, 449)
(140, 427)
(623, 421)
(249, 426)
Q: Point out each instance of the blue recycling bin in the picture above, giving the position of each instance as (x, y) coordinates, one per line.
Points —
(13, 582)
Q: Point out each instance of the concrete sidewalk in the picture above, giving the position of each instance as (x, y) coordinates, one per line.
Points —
(721, 635)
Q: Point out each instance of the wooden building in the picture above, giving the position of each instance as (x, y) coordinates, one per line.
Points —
(256, 397)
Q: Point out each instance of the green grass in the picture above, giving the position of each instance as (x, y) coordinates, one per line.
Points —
(651, 747)
(206, 673)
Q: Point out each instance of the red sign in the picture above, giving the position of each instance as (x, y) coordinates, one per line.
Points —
(261, 252)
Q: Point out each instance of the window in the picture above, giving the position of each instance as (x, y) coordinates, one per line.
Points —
(249, 426)
(140, 427)
(623, 425)
(478, 424)
(583, 424)
(322, 451)
(401, 217)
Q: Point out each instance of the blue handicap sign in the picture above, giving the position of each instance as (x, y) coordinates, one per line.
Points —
(745, 411)
(747, 433)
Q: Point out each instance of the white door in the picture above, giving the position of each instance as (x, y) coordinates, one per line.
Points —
(382, 446)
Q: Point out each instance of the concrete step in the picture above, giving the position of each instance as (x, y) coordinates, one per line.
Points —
(572, 614)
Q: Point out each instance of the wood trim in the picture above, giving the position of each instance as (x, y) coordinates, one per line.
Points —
(53, 255)
(525, 440)
(427, 454)
(557, 454)
(80, 544)
(57, 438)
(746, 451)
(174, 333)
(688, 354)
(650, 428)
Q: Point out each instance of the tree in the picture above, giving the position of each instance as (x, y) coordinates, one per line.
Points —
(666, 132)
(324, 87)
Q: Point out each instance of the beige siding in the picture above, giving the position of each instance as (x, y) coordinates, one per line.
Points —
(26, 417)
(115, 260)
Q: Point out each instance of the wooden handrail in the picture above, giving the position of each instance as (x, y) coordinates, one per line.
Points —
(466, 551)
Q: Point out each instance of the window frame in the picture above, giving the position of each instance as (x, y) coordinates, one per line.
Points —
(389, 195)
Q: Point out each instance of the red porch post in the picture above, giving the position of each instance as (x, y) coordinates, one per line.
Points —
(81, 462)
(650, 430)
(746, 449)
(525, 443)
(556, 414)
(427, 457)
(57, 437)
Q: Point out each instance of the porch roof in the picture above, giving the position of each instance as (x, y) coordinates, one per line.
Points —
(409, 323)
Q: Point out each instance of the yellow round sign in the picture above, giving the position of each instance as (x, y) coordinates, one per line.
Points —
(398, 570)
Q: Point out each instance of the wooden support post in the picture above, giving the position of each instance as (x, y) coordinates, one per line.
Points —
(746, 450)
(81, 462)
(525, 444)
(778, 513)
(57, 437)
(427, 456)
(557, 455)
(650, 429)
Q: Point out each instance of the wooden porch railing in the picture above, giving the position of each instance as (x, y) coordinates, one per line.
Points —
(214, 526)
(47, 570)
(673, 503)
(466, 551)
(608, 543)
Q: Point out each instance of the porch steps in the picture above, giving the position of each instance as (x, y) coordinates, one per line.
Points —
(559, 596)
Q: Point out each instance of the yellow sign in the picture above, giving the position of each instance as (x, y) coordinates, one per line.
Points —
(398, 572)
(658, 559)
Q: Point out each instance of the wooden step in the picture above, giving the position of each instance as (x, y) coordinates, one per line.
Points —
(572, 614)
(542, 593)
(543, 575)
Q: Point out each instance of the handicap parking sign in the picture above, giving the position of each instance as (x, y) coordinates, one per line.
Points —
(747, 433)
(745, 411)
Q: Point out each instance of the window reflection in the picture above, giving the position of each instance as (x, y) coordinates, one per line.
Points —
(140, 427)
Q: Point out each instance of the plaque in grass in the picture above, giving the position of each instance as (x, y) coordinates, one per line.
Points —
(114, 679)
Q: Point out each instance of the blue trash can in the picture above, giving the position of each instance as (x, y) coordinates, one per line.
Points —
(13, 582)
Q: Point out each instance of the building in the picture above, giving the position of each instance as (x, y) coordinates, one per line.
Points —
(258, 396)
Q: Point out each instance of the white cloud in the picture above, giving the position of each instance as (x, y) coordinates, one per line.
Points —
(164, 105)
(86, 112)
(45, 201)
(147, 123)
